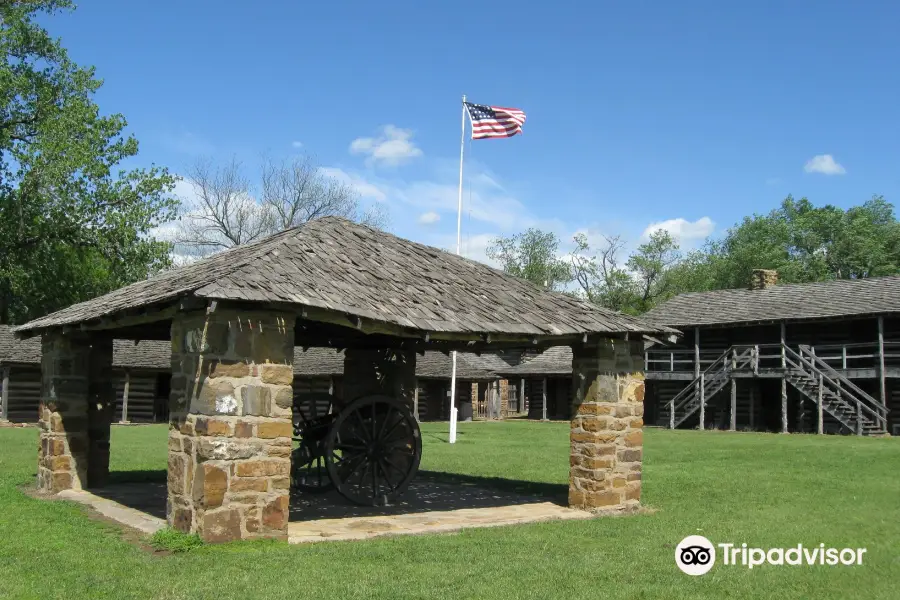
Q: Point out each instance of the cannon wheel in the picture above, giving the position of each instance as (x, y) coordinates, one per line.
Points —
(308, 471)
(372, 450)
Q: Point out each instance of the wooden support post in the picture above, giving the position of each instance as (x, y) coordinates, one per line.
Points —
(4, 396)
(672, 413)
(733, 424)
(522, 395)
(646, 360)
(844, 358)
(125, 390)
(858, 417)
(702, 404)
(756, 359)
(416, 398)
(881, 382)
(696, 352)
(784, 411)
(671, 361)
(544, 401)
(697, 376)
(820, 416)
(331, 386)
(753, 405)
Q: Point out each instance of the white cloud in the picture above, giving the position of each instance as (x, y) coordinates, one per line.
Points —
(825, 164)
(297, 144)
(429, 218)
(683, 230)
(393, 146)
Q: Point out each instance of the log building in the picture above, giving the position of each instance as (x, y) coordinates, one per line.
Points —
(818, 357)
(140, 373)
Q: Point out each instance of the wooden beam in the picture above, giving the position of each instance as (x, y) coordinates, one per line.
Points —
(784, 411)
(522, 395)
(882, 388)
(4, 396)
(544, 401)
(702, 403)
(125, 390)
(733, 424)
(696, 352)
(820, 417)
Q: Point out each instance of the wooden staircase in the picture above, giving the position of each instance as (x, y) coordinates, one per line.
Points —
(830, 391)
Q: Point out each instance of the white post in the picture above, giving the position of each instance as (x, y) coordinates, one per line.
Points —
(462, 146)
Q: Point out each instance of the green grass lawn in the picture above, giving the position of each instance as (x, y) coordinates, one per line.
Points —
(766, 490)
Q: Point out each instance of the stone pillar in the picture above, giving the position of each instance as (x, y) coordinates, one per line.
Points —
(230, 424)
(607, 422)
(385, 372)
(77, 400)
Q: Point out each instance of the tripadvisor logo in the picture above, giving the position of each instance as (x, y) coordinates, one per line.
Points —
(696, 555)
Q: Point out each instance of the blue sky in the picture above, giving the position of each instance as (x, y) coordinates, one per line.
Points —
(691, 114)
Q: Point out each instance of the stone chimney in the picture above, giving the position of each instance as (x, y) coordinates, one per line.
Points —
(763, 278)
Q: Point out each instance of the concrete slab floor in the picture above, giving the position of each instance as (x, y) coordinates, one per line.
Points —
(427, 507)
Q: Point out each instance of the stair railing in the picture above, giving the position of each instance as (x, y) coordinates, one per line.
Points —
(844, 387)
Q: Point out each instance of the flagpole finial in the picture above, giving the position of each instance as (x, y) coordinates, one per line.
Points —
(464, 98)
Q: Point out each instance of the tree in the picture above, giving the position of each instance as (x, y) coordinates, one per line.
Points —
(645, 280)
(532, 256)
(651, 265)
(226, 211)
(804, 243)
(70, 228)
(599, 276)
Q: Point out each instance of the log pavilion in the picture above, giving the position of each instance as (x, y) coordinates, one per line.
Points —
(233, 320)
(818, 357)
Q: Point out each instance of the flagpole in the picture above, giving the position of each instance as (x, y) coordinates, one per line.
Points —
(462, 146)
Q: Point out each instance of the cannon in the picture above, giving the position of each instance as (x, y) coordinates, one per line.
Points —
(368, 449)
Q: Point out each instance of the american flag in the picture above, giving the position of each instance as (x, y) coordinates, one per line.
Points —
(494, 121)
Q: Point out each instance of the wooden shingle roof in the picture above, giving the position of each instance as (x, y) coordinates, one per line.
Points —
(784, 302)
(430, 365)
(347, 268)
(13, 351)
(146, 354)
(552, 361)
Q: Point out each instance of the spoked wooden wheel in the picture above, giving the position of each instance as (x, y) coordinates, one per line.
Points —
(372, 451)
(312, 417)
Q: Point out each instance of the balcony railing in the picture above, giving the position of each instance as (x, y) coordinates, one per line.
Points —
(838, 356)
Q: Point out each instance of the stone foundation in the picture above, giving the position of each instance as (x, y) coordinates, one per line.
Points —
(75, 413)
(607, 435)
(230, 425)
